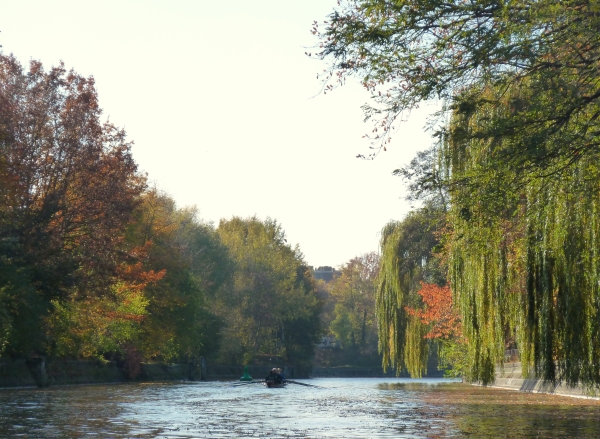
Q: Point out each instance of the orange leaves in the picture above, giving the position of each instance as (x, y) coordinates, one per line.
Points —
(438, 312)
(136, 279)
(133, 276)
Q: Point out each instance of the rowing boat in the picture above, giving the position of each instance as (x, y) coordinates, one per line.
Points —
(274, 385)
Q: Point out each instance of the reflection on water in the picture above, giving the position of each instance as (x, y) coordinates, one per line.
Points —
(492, 413)
(339, 408)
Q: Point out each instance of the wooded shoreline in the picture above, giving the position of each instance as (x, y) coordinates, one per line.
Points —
(56, 372)
(60, 372)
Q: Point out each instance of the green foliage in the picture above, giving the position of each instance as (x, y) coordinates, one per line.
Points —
(272, 307)
(94, 327)
(68, 187)
(523, 240)
(406, 260)
(180, 324)
(527, 274)
(453, 358)
(302, 328)
(409, 51)
(92, 264)
(353, 297)
(518, 156)
(342, 326)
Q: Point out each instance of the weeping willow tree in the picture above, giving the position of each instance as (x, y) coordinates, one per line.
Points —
(533, 277)
(522, 241)
(406, 260)
(523, 259)
(522, 83)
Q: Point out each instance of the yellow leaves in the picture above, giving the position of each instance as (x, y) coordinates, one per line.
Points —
(90, 327)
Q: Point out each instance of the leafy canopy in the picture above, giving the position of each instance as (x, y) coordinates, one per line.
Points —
(409, 51)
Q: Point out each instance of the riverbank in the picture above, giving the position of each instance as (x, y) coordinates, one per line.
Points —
(366, 372)
(510, 377)
(57, 372)
(41, 372)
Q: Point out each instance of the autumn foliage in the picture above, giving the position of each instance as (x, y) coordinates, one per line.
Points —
(69, 187)
(94, 264)
(438, 312)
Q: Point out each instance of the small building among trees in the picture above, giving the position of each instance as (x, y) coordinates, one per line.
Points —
(326, 274)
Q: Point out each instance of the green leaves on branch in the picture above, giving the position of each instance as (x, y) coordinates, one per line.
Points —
(527, 275)
(410, 51)
(272, 307)
(353, 295)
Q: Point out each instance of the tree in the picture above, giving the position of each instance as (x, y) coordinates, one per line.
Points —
(99, 327)
(518, 151)
(272, 307)
(440, 317)
(438, 312)
(409, 51)
(159, 306)
(520, 246)
(406, 261)
(353, 294)
(302, 326)
(522, 264)
(180, 325)
(69, 187)
(427, 178)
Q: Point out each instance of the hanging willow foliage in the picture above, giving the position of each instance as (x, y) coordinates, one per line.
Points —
(391, 315)
(521, 152)
(523, 260)
(406, 260)
(561, 338)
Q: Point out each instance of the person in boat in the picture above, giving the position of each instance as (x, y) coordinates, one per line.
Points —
(275, 376)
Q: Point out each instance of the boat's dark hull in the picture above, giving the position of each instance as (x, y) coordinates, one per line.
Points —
(272, 385)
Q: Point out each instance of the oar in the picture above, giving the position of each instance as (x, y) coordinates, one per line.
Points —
(248, 382)
(300, 384)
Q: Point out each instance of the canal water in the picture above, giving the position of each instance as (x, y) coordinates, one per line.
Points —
(333, 408)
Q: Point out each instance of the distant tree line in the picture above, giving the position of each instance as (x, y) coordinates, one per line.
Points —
(348, 316)
(96, 264)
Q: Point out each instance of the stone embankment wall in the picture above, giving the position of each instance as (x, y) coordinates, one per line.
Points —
(41, 372)
(55, 372)
(510, 377)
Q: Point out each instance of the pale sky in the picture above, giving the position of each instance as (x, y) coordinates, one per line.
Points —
(225, 111)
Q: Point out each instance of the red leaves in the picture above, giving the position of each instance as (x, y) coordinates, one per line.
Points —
(438, 312)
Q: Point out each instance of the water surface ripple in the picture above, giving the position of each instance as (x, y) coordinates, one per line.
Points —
(338, 408)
